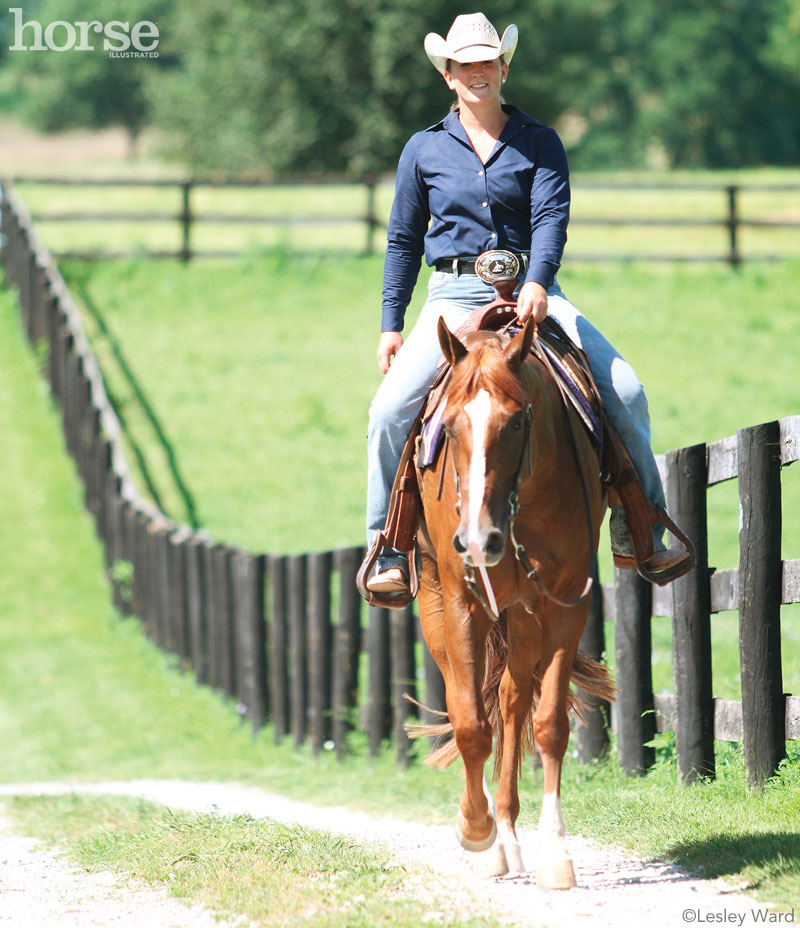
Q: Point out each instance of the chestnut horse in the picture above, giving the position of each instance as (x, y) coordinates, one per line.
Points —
(513, 502)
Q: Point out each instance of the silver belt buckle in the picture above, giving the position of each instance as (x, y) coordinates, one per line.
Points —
(497, 264)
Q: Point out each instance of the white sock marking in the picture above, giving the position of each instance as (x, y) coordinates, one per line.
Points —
(551, 821)
(478, 411)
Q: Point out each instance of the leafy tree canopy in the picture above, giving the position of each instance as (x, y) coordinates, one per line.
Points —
(73, 88)
(300, 87)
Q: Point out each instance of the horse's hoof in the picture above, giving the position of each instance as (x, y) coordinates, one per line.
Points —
(491, 863)
(557, 874)
(514, 857)
(474, 846)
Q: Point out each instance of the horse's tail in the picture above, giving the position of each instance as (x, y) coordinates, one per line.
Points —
(591, 682)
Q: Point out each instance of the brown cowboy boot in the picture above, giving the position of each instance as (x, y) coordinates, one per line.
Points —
(661, 566)
(392, 574)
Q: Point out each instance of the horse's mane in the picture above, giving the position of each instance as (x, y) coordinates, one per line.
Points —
(485, 367)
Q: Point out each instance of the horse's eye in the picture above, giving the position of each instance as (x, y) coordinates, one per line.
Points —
(516, 423)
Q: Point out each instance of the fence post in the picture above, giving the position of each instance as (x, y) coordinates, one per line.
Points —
(734, 258)
(176, 561)
(131, 530)
(379, 708)
(760, 589)
(318, 642)
(347, 647)
(371, 219)
(197, 610)
(147, 567)
(278, 647)
(251, 636)
(402, 625)
(221, 631)
(633, 643)
(164, 583)
(186, 220)
(687, 480)
(593, 737)
(435, 700)
(296, 600)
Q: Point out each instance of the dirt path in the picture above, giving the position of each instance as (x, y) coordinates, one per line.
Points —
(614, 890)
(37, 888)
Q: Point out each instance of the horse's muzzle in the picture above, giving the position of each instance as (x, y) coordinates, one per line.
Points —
(484, 549)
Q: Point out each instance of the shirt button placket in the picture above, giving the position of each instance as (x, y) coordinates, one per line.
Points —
(485, 202)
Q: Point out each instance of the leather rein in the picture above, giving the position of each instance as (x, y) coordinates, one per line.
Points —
(529, 568)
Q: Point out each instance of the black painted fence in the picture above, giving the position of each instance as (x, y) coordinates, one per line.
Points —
(732, 220)
(288, 638)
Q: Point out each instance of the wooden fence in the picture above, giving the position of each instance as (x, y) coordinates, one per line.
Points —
(266, 630)
(731, 221)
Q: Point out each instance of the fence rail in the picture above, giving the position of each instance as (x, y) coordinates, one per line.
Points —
(264, 629)
(731, 221)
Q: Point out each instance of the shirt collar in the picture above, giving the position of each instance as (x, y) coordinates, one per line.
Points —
(517, 121)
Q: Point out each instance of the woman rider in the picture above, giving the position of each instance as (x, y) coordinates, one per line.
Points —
(486, 176)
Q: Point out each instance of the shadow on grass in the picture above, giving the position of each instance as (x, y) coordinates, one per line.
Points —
(764, 857)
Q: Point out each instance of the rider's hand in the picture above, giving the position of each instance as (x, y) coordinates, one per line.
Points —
(388, 346)
(532, 301)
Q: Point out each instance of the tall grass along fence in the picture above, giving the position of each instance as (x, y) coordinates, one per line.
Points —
(685, 210)
(288, 638)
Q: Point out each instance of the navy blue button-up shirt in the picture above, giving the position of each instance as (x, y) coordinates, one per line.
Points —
(449, 204)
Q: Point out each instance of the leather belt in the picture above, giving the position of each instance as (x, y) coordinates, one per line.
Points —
(459, 266)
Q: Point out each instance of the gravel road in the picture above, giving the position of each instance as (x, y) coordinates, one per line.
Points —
(615, 891)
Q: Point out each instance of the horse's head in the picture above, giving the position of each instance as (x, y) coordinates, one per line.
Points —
(488, 420)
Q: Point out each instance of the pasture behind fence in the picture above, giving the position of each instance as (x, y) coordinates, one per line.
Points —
(285, 636)
(358, 211)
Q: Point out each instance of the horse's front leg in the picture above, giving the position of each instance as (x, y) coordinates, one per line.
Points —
(466, 628)
(551, 731)
(516, 698)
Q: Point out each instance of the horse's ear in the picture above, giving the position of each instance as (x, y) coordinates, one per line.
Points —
(452, 348)
(519, 347)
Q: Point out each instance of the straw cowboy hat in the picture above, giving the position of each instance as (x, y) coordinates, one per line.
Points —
(471, 38)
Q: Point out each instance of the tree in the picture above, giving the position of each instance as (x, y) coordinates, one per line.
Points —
(337, 86)
(313, 87)
(70, 88)
(718, 99)
(710, 83)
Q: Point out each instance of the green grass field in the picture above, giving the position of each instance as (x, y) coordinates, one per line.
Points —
(84, 696)
(262, 372)
(238, 867)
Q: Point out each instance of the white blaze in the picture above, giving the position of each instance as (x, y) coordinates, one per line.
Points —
(478, 411)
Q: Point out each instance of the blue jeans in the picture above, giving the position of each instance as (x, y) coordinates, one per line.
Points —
(403, 390)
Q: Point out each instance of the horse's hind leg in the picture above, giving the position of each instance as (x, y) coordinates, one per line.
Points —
(516, 698)
(551, 731)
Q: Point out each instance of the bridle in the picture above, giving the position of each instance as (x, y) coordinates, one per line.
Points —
(483, 592)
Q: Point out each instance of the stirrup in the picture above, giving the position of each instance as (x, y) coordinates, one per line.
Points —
(681, 564)
(642, 515)
(385, 599)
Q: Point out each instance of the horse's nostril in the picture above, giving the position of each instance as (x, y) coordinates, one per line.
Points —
(458, 544)
(495, 544)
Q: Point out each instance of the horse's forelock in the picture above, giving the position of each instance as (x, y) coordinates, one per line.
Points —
(484, 367)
